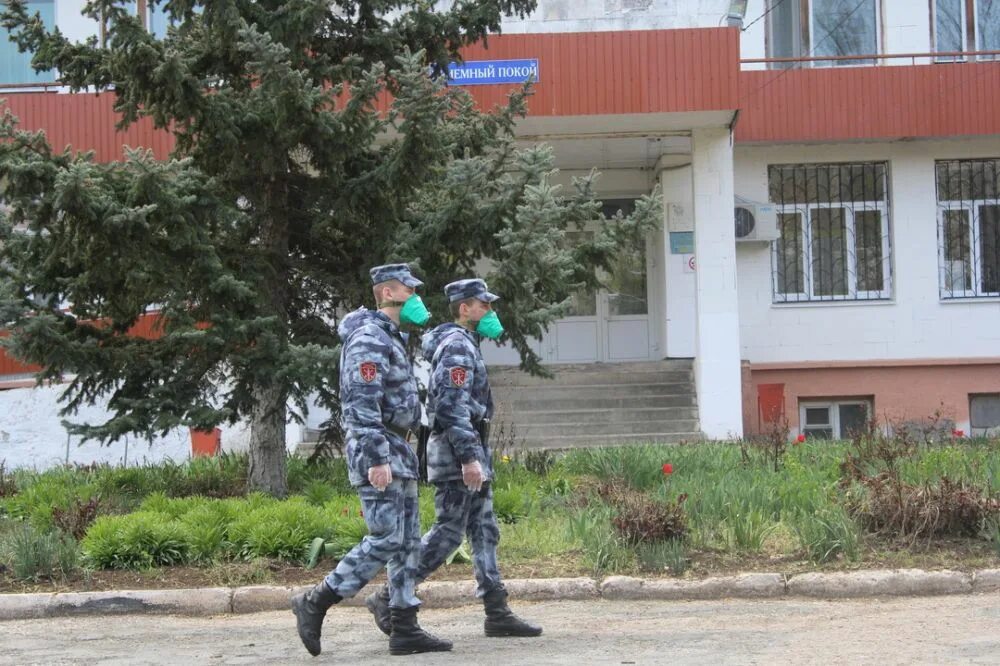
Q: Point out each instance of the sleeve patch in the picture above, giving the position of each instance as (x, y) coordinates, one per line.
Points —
(458, 377)
(368, 371)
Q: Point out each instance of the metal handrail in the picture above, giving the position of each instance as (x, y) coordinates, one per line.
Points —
(873, 56)
(31, 86)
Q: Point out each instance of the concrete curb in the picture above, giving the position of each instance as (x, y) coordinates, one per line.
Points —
(746, 586)
(877, 583)
(259, 598)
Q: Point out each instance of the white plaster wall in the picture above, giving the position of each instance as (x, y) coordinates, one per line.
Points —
(73, 24)
(915, 323)
(31, 434)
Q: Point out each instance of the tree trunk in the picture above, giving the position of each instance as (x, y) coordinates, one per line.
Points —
(267, 442)
(267, 471)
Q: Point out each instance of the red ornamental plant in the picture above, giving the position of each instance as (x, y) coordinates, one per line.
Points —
(668, 469)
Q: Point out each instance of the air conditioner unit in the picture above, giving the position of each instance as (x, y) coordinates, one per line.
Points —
(755, 222)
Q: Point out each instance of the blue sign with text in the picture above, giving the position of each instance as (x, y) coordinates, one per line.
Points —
(484, 72)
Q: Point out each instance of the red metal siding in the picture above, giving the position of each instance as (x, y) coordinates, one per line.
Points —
(85, 122)
(580, 74)
(622, 72)
(8, 366)
(655, 71)
(148, 327)
(857, 103)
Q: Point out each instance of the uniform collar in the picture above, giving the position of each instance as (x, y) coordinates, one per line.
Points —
(386, 322)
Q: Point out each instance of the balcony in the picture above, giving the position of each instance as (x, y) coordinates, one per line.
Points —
(936, 99)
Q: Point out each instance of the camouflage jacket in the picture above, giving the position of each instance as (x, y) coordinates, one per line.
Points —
(458, 399)
(378, 392)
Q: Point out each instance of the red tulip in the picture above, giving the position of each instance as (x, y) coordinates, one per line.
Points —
(800, 439)
(668, 469)
(958, 433)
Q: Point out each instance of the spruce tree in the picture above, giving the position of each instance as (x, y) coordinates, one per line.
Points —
(289, 179)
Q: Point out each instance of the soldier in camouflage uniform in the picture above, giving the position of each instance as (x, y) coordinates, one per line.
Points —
(380, 407)
(459, 458)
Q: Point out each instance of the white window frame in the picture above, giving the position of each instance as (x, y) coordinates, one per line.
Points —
(965, 32)
(833, 410)
(805, 230)
(971, 206)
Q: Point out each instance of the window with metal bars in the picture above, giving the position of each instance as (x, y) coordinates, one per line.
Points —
(834, 232)
(968, 196)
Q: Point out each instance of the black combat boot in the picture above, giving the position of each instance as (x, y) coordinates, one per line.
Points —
(310, 609)
(408, 638)
(378, 604)
(500, 621)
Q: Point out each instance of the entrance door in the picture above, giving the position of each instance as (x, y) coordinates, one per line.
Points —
(625, 305)
(608, 325)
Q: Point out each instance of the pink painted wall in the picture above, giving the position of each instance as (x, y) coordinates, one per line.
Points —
(902, 391)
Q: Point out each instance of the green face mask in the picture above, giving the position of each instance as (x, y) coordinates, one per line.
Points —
(490, 326)
(414, 312)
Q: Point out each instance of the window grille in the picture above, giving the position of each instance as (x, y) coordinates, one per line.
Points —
(834, 242)
(968, 196)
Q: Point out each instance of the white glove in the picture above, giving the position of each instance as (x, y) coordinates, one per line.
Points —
(473, 476)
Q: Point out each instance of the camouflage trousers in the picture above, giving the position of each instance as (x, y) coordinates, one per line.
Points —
(458, 512)
(393, 541)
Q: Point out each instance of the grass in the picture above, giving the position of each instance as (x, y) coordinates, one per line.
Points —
(739, 515)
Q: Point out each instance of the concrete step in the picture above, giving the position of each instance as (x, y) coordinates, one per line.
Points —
(569, 368)
(585, 441)
(597, 377)
(553, 392)
(527, 419)
(545, 430)
(521, 404)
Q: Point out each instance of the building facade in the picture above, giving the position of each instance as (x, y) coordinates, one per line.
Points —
(830, 171)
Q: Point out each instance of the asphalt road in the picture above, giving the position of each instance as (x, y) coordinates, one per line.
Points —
(959, 629)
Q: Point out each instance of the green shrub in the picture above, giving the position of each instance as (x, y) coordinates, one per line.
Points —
(213, 476)
(36, 555)
(603, 550)
(319, 493)
(281, 529)
(512, 502)
(329, 471)
(135, 541)
(663, 556)
(639, 466)
(543, 537)
(207, 528)
(57, 490)
(747, 528)
(828, 534)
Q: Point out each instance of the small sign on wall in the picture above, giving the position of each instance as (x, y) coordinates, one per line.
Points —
(689, 264)
(681, 242)
(490, 72)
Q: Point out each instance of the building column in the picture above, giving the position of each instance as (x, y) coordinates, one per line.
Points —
(678, 220)
(717, 323)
